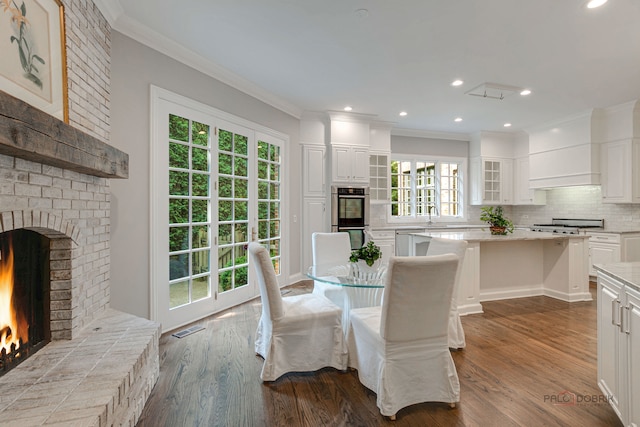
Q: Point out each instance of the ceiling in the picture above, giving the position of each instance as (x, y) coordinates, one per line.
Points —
(382, 57)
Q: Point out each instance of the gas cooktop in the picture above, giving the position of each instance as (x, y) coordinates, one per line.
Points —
(568, 225)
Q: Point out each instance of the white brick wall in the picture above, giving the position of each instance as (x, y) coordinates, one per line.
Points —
(88, 68)
(72, 209)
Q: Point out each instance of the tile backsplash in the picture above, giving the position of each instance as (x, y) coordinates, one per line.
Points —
(566, 202)
(579, 202)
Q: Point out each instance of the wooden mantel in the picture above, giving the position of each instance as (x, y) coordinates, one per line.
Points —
(31, 134)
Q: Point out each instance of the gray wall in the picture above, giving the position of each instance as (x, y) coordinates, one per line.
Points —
(134, 67)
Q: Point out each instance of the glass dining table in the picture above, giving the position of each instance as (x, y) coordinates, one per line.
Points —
(356, 285)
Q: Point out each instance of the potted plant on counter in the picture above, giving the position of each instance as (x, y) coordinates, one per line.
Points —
(498, 223)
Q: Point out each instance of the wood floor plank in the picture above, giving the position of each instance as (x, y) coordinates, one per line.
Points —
(520, 354)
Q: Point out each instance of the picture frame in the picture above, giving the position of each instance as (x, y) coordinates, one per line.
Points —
(33, 46)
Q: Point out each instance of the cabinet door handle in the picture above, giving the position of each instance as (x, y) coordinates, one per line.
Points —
(627, 329)
(621, 314)
(615, 312)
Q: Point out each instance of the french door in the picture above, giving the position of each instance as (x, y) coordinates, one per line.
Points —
(217, 187)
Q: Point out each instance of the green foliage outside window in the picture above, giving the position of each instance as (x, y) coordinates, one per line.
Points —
(226, 278)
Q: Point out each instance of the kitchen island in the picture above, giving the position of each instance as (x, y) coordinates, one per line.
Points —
(521, 264)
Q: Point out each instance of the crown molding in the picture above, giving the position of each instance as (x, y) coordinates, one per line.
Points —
(416, 133)
(110, 9)
(114, 13)
(587, 114)
(346, 116)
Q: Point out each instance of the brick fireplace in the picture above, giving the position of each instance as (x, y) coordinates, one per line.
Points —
(101, 364)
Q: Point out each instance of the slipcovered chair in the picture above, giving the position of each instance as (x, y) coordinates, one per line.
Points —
(400, 349)
(439, 246)
(330, 249)
(298, 333)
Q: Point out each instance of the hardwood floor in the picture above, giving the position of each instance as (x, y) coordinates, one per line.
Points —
(523, 357)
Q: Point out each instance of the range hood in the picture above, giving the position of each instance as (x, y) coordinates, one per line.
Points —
(566, 153)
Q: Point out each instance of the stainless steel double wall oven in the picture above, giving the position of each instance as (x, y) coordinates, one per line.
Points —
(350, 212)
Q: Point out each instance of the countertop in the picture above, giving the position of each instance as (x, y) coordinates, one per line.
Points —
(486, 236)
(627, 272)
(614, 230)
(456, 227)
(427, 227)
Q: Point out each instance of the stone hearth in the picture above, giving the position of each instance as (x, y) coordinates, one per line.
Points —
(102, 377)
(101, 364)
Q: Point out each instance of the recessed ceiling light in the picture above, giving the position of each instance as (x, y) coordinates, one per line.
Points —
(403, 113)
(348, 108)
(456, 82)
(525, 92)
(507, 125)
(595, 3)
(457, 119)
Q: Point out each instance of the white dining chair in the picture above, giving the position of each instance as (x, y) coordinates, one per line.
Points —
(330, 249)
(400, 349)
(439, 246)
(299, 333)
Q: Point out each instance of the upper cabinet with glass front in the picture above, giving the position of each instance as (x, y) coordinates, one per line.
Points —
(491, 181)
(379, 176)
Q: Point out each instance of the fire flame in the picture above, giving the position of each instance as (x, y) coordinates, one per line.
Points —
(11, 324)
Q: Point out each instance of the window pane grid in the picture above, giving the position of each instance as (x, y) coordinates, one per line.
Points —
(189, 219)
(437, 188)
(233, 210)
(269, 200)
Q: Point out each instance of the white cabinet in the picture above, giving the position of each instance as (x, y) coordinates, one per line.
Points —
(632, 332)
(607, 248)
(491, 181)
(315, 218)
(313, 170)
(314, 188)
(619, 347)
(610, 294)
(350, 164)
(620, 171)
(604, 248)
(379, 177)
(386, 240)
(522, 193)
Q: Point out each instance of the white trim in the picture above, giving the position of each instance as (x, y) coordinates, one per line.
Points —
(111, 10)
(462, 161)
(207, 109)
(344, 116)
(153, 295)
(557, 122)
(157, 215)
(500, 294)
(430, 134)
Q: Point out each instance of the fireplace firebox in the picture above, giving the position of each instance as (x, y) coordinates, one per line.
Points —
(24, 296)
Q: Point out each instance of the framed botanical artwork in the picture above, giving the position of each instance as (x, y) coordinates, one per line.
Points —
(33, 65)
